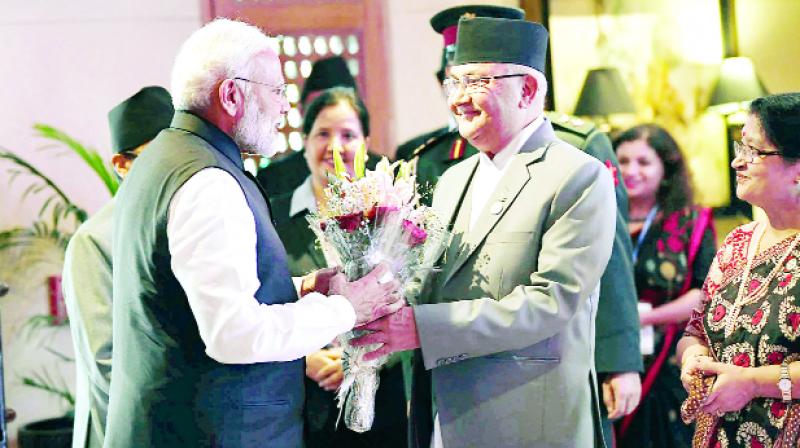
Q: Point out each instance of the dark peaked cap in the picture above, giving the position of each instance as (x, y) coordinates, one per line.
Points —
(327, 73)
(445, 22)
(140, 118)
(449, 17)
(507, 41)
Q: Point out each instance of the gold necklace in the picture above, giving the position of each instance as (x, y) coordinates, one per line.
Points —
(742, 297)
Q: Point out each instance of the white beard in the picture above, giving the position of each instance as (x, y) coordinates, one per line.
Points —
(252, 134)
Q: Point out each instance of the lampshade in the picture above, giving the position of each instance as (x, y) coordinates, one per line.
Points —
(604, 93)
(737, 83)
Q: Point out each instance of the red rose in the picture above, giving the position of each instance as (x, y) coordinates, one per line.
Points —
(351, 222)
(378, 214)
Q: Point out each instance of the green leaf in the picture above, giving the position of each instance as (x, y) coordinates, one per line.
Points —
(62, 356)
(43, 181)
(44, 381)
(89, 155)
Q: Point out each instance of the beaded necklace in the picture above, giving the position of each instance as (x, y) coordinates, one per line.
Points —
(743, 297)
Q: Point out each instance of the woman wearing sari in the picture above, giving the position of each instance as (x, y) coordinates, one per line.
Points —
(674, 244)
(338, 117)
(744, 337)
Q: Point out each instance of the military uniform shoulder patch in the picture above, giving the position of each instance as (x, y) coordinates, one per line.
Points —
(458, 148)
(569, 123)
(430, 141)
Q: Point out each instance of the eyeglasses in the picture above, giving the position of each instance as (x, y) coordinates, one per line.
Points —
(750, 154)
(471, 83)
(279, 90)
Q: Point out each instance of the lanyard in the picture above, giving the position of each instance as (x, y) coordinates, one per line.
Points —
(648, 221)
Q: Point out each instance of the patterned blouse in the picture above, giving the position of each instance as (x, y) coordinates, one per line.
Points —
(765, 331)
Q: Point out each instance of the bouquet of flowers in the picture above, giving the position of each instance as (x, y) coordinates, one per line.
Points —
(367, 218)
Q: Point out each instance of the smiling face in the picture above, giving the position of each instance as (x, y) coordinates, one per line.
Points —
(490, 116)
(767, 181)
(642, 169)
(264, 106)
(338, 124)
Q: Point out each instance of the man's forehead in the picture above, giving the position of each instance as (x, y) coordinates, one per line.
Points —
(483, 68)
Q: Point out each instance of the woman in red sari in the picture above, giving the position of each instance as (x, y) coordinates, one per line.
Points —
(746, 333)
(674, 245)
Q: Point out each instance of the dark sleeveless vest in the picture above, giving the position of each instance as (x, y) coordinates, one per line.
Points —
(166, 392)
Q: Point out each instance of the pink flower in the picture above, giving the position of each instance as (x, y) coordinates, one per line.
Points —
(417, 235)
(351, 222)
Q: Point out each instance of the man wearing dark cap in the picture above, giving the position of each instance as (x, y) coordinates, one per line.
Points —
(617, 331)
(87, 267)
(444, 147)
(286, 174)
(505, 330)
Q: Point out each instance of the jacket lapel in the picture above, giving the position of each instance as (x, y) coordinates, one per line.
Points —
(507, 191)
(453, 193)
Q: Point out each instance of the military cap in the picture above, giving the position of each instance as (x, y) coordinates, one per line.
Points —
(507, 41)
(446, 22)
(140, 118)
(327, 73)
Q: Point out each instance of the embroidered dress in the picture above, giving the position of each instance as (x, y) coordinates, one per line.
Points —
(663, 272)
(754, 327)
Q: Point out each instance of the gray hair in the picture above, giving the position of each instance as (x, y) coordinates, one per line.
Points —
(219, 50)
(541, 83)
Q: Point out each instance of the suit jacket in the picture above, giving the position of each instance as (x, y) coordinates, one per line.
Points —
(87, 293)
(617, 315)
(507, 327)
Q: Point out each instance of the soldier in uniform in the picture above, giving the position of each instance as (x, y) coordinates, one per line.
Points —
(286, 174)
(617, 359)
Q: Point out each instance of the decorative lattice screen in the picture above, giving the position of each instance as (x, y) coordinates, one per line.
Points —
(297, 53)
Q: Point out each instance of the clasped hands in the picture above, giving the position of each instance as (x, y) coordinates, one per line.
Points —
(732, 389)
(380, 308)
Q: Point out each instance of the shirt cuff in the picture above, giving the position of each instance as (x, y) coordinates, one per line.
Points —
(341, 307)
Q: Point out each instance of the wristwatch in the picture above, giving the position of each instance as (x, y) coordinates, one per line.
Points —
(785, 383)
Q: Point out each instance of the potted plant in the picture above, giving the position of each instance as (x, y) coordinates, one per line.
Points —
(56, 221)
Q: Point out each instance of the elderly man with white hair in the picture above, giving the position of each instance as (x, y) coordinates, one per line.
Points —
(208, 332)
(505, 330)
